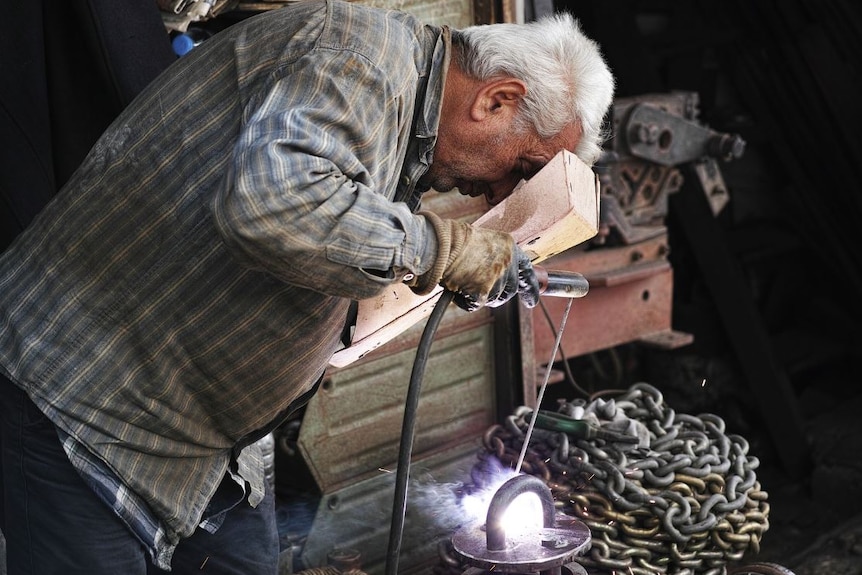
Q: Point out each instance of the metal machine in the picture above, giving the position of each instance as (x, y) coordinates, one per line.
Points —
(626, 264)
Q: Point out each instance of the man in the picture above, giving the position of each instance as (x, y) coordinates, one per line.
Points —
(184, 291)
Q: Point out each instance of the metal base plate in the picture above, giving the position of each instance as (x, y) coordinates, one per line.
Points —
(537, 550)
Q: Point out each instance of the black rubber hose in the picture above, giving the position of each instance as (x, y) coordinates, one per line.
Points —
(405, 450)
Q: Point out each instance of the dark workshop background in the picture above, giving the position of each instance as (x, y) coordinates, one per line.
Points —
(770, 288)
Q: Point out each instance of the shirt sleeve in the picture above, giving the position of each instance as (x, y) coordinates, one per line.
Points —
(308, 194)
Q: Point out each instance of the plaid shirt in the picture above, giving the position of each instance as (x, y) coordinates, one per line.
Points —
(190, 282)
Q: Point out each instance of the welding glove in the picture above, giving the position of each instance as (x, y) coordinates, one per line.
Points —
(481, 266)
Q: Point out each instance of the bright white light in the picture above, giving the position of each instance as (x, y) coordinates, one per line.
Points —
(475, 506)
(523, 514)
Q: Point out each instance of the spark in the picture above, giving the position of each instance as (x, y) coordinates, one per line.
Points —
(703, 383)
(383, 470)
(204, 563)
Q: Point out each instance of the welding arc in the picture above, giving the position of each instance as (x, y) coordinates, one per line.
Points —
(532, 424)
(411, 405)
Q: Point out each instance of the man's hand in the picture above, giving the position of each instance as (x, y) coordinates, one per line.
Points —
(481, 266)
(519, 278)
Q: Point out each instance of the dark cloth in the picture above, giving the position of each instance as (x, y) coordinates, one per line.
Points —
(84, 536)
(66, 70)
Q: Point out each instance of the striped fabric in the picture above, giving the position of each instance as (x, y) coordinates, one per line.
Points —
(191, 280)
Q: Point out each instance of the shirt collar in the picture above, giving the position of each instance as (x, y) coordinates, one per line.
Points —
(429, 118)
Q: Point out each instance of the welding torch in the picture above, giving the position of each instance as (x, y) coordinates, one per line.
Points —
(561, 283)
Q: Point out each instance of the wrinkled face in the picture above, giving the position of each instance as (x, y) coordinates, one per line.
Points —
(490, 160)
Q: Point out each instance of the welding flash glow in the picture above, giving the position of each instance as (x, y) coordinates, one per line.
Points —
(524, 515)
(475, 505)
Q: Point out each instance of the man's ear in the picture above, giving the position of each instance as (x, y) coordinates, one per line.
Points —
(498, 96)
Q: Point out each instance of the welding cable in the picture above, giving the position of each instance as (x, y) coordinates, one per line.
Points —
(411, 406)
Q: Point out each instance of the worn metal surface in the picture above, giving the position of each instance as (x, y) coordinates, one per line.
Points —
(635, 187)
(352, 426)
(668, 139)
(358, 515)
(629, 299)
(655, 134)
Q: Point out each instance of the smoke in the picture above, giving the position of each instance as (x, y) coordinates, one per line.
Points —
(436, 510)
(445, 508)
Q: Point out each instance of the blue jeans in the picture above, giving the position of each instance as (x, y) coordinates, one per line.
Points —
(55, 524)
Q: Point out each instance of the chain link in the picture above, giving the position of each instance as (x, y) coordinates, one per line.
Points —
(687, 504)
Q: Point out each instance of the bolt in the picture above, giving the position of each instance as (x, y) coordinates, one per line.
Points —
(646, 133)
(554, 542)
(726, 146)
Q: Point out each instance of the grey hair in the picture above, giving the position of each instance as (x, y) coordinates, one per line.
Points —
(566, 76)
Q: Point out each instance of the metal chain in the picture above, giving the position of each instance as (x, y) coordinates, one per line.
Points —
(686, 505)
